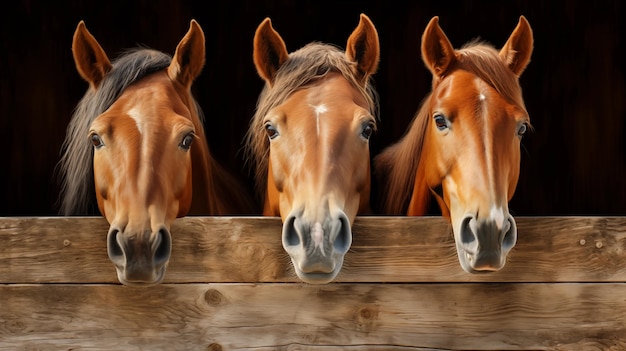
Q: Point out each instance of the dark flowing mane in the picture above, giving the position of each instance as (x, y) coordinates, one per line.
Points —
(308, 64)
(398, 163)
(76, 162)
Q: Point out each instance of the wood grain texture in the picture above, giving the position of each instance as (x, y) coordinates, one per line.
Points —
(229, 287)
(292, 316)
(248, 249)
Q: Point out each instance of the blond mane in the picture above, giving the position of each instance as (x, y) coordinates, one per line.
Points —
(304, 66)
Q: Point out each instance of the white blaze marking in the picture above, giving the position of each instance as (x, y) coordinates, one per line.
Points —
(319, 109)
(487, 141)
(135, 114)
(317, 234)
(497, 214)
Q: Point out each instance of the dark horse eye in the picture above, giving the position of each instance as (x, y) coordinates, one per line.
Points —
(440, 122)
(522, 129)
(368, 130)
(271, 131)
(96, 140)
(185, 144)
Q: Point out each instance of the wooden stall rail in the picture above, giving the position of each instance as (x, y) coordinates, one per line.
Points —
(229, 286)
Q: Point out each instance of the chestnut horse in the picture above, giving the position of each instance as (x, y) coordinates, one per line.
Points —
(136, 139)
(309, 143)
(463, 146)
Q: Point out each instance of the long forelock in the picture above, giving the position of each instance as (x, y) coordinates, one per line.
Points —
(483, 60)
(76, 163)
(303, 67)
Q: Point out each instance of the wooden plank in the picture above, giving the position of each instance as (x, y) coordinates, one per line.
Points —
(248, 249)
(292, 316)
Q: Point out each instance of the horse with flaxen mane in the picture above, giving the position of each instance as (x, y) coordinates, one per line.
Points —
(309, 143)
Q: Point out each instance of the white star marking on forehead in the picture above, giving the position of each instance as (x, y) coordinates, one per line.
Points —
(319, 109)
(135, 114)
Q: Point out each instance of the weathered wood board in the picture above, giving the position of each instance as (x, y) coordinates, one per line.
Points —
(292, 316)
(248, 249)
(229, 286)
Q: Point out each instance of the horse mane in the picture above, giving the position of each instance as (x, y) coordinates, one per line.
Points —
(304, 66)
(483, 60)
(399, 162)
(76, 163)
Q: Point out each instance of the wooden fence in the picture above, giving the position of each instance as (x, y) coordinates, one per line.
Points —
(229, 286)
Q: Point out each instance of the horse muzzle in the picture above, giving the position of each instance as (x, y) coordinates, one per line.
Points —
(317, 249)
(483, 244)
(140, 258)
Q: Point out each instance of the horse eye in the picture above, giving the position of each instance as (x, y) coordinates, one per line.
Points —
(522, 129)
(185, 144)
(271, 131)
(96, 140)
(368, 130)
(440, 122)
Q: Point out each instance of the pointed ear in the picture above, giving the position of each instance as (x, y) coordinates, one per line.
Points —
(270, 51)
(363, 47)
(516, 52)
(189, 57)
(91, 61)
(437, 51)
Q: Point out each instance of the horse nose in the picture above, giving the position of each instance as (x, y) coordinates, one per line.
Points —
(485, 244)
(140, 258)
(317, 249)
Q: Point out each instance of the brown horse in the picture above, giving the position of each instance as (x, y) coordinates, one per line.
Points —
(309, 143)
(463, 146)
(136, 139)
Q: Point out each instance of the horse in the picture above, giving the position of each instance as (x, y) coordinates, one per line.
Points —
(136, 140)
(463, 145)
(308, 142)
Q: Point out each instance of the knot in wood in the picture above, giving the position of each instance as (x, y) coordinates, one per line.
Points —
(214, 298)
(366, 318)
(366, 313)
(214, 347)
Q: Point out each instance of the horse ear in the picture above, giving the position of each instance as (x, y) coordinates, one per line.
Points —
(189, 57)
(363, 47)
(270, 51)
(516, 52)
(437, 51)
(91, 61)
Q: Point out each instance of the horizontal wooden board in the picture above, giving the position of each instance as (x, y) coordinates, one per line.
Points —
(293, 316)
(248, 250)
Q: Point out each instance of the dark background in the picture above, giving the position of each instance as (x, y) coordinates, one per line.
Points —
(574, 163)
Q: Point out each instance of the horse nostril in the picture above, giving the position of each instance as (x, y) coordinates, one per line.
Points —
(163, 247)
(344, 236)
(290, 234)
(468, 233)
(115, 251)
(510, 235)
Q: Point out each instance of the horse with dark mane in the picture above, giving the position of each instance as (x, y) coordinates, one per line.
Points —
(136, 140)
